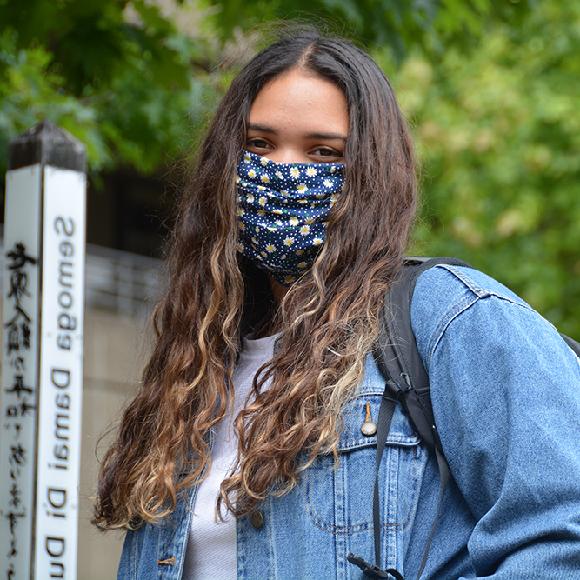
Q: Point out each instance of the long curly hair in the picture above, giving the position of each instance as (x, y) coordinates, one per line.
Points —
(329, 318)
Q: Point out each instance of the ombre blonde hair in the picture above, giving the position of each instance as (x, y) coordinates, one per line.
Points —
(329, 318)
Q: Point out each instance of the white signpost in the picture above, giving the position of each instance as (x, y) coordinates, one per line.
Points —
(42, 359)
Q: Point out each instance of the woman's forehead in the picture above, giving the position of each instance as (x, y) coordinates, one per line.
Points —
(298, 101)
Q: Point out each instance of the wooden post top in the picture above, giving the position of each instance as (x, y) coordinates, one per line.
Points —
(47, 144)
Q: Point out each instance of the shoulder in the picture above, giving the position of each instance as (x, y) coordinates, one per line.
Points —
(446, 293)
(500, 378)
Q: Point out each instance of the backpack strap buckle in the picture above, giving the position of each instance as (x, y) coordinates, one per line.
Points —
(371, 571)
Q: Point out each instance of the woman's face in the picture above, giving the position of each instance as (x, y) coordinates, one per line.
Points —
(298, 117)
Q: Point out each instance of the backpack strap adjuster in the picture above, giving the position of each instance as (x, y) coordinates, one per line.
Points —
(371, 571)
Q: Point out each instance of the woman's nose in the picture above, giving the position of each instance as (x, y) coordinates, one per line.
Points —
(288, 155)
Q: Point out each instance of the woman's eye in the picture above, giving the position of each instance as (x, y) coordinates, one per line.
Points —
(258, 143)
(325, 152)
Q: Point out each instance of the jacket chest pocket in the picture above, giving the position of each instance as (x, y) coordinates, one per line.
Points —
(339, 499)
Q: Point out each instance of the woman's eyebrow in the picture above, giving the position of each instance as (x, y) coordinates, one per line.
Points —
(315, 135)
(326, 136)
(260, 127)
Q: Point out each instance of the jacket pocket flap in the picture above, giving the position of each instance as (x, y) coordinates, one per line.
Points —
(354, 415)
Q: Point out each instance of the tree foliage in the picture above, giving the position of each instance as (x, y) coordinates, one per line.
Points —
(131, 88)
(498, 133)
(399, 24)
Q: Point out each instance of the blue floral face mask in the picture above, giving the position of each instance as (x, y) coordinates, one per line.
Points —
(283, 211)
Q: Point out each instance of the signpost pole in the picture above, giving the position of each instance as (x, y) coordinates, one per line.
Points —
(42, 358)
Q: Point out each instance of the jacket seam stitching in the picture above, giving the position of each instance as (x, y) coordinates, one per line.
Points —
(452, 313)
(469, 282)
(480, 291)
(462, 307)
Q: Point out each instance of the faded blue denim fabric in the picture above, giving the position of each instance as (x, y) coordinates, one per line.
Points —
(506, 398)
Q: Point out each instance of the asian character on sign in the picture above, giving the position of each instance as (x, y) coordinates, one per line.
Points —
(19, 325)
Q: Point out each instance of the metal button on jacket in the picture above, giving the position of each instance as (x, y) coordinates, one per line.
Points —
(257, 519)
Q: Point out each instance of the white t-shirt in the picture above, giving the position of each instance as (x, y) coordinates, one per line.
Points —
(211, 547)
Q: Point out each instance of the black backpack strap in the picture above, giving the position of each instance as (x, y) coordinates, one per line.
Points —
(574, 345)
(407, 383)
(396, 351)
(386, 411)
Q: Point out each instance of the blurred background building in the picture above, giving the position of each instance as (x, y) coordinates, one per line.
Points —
(490, 90)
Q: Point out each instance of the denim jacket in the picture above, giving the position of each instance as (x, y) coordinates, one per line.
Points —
(506, 398)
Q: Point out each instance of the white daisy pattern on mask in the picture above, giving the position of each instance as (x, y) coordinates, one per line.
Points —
(284, 210)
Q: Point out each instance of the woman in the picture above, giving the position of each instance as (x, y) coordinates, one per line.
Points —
(293, 229)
